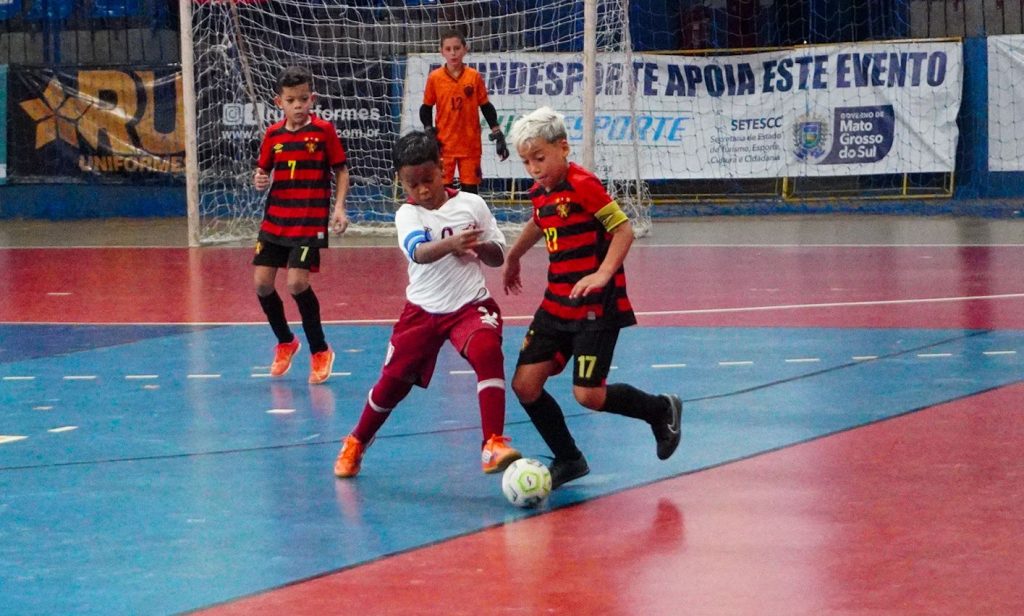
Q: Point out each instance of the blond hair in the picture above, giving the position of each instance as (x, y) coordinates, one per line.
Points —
(543, 123)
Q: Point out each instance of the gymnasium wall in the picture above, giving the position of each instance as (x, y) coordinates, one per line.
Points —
(135, 43)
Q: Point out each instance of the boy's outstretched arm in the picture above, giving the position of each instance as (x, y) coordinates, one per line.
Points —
(458, 244)
(261, 179)
(622, 239)
(511, 273)
(339, 218)
(491, 254)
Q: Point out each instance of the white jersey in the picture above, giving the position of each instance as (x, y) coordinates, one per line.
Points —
(451, 282)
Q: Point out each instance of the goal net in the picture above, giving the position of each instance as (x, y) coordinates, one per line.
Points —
(369, 59)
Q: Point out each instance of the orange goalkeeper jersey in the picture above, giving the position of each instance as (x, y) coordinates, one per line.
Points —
(457, 118)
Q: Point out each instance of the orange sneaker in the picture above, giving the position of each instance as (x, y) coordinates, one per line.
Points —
(350, 458)
(283, 354)
(497, 454)
(320, 368)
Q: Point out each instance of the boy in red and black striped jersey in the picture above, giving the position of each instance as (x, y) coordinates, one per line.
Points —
(585, 303)
(301, 151)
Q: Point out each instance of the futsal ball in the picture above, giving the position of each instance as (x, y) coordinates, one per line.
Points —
(526, 483)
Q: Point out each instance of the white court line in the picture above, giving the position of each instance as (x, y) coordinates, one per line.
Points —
(355, 321)
(881, 302)
(736, 363)
(723, 245)
(461, 372)
(999, 352)
(863, 357)
(136, 377)
(203, 376)
(62, 429)
(926, 355)
(11, 438)
(803, 360)
(652, 313)
(58, 293)
(281, 411)
(19, 378)
(668, 365)
(80, 377)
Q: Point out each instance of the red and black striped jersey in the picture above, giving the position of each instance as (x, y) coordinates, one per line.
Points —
(301, 161)
(573, 217)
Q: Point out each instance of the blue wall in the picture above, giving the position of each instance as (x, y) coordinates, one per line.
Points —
(76, 201)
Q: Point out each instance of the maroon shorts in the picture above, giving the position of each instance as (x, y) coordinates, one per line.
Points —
(417, 337)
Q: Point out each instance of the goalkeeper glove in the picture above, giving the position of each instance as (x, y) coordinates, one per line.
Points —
(500, 146)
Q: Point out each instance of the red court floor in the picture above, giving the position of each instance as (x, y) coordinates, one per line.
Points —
(913, 509)
(920, 514)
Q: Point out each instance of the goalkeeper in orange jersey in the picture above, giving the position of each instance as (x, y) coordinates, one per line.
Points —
(459, 93)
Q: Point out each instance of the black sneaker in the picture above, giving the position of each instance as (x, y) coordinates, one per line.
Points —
(668, 433)
(563, 470)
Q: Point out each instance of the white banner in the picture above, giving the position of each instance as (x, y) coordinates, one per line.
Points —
(820, 111)
(1005, 107)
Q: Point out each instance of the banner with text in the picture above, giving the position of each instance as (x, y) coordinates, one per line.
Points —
(1005, 107)
(104, 125)
(354, 98)
(852, 109)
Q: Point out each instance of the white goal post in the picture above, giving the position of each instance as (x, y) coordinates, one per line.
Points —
(232, 51)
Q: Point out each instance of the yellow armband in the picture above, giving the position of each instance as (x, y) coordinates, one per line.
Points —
(611, 216)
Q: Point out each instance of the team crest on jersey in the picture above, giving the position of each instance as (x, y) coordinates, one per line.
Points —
(259, 247)
(468, 91)
(278, 147)
(562, 207)
(311, 144)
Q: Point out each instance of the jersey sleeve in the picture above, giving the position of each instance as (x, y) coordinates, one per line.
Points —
(486, 221)
(335, 151)
(592, 194)
(481, 88)
(596, 200)
(266, 159)
(410, 230)
(429, 91)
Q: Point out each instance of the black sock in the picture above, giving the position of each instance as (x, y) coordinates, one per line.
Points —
(309, 308)
(273, 307)
(547, 417)
(622, 399)
(471, 188)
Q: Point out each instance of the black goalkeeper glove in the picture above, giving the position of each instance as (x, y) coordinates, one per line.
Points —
(499, 146)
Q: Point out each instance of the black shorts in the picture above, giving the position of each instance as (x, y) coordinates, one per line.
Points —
(270, 254)
(591, 350)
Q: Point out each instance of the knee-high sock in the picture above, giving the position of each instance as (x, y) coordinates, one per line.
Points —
(273, 307)
(384, 397)
(485, 356)
(309, 308)
(623, 399)
(547, 417)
